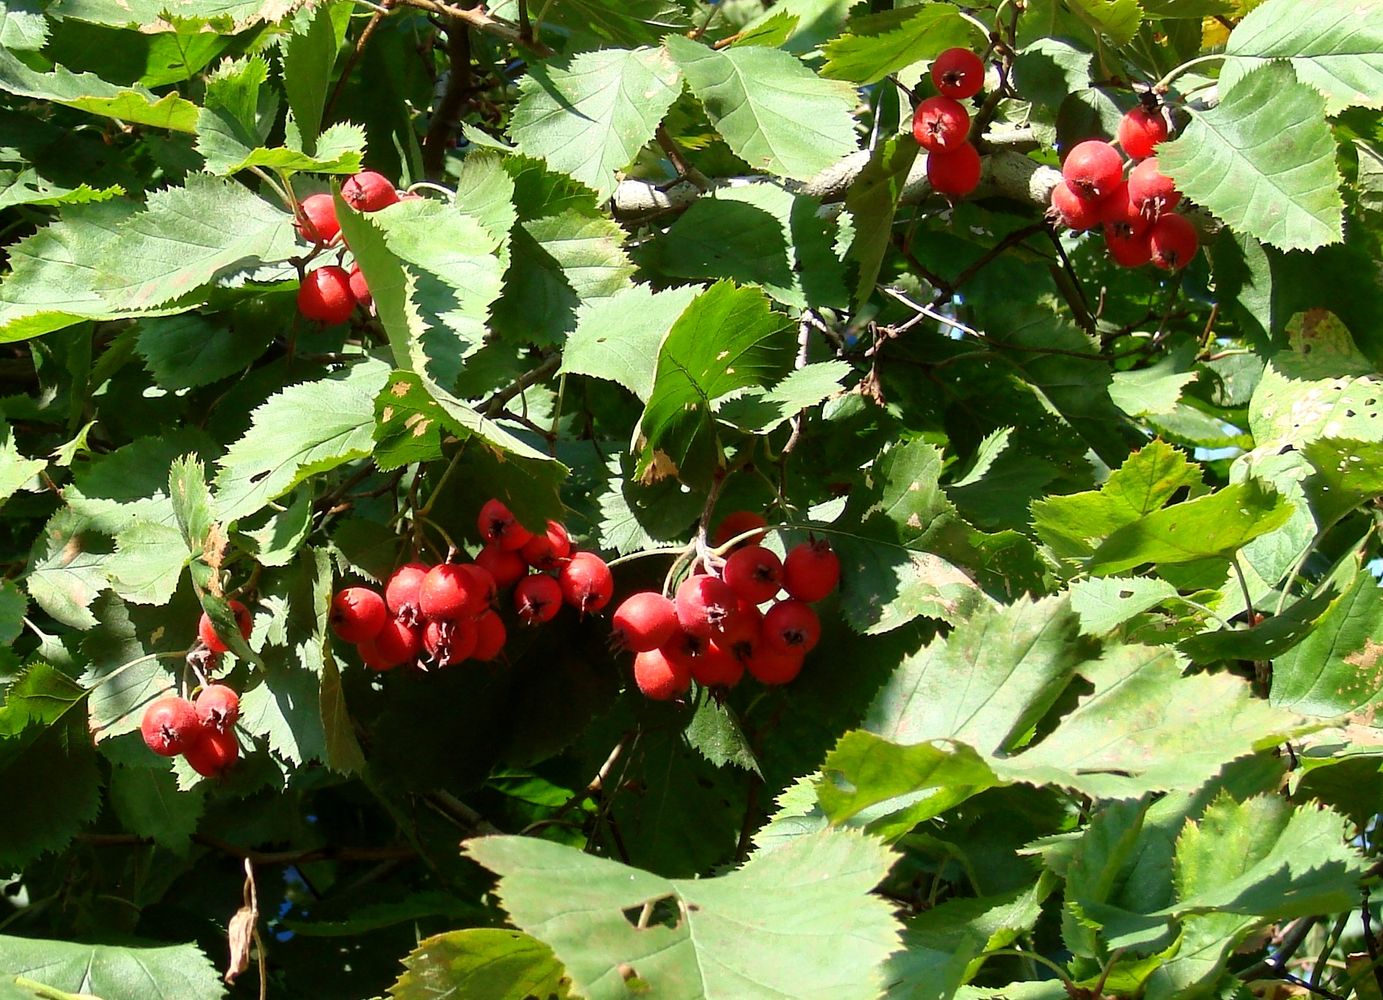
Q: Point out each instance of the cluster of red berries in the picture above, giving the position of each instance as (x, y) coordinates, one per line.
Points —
(329, 294)
(443, 615)
(202, 730)
(713, 630)
(1136, 213)
(941, 125)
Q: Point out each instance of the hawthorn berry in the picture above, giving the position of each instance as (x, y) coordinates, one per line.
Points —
(1140, 130)
(704, 659)
(357, 614)
(958, 73)
(1093, 169)
(644, 621)
(450, 642)
(169, 726)
(1151, 191)
(737, 524)
(213, 754)
(537, 599)
(754, 573)
(504, 566)
(485, 583)
(369, 191)
(940, 124)
(397, 643)
(206, 631)
(217, 708)
(360, 288)
(1172, 242)
(448, 592)
(770, 665)
(660, 678)
(586, 581)
(546, 551)
(1073, 211)
(499, 526)
(318, 223)
(490, 637)
(1128, 249)
(703, 605)
(792, 626)
(811, 570)
(956, 172)
(325, 295)
(1119, 213)
(401, 591)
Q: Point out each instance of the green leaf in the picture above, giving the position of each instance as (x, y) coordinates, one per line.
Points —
(127, 652)
(760, 411)
(15, 470)
(28, 187)
(879, 44)
(793, 922)
(1105, 604)
(342, 749)
(301, 431)
(187, 351)
(114, 972)
(21, 30)
(873, 202)
(149, 804)
(308, 56)
(589, 116)
(1347, 473)
(191, 500)
(1050, 69)
(229, 16)
(617, 338)
(485, 962)
(1335, 46)
(13, 606)
(68, 569)
(286, 708)
(276, 540)
(1117, 20)
(1263, 160)
(1338, 667)
(148, 562)
(716, 733)
(773, 111)
(88, 92)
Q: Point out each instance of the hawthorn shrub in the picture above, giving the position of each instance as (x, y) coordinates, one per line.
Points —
(570, 499)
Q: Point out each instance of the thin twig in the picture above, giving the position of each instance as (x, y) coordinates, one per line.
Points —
(448, 109)
(354, 58)
(496, 402)
(483, 21)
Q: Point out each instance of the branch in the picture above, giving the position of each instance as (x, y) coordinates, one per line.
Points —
(448, 109)
(495, 403)
(483, 21)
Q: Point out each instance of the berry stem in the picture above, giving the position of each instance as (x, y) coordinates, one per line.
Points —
(1173, 74)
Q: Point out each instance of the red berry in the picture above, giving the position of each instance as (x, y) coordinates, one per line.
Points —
(546, 551)
(397, 643)
(490, 637)
(360, 288)
(737, 524)
(706, 661)
(213, 755)
(369, 191)
(940, 124)
(319, 213)
(1120, 214)
(450, 642)
(1128, 250)
(1172, 242)
(958, 73)
(207, 632)
(506, 568)
(792, 627)
(811, 571)
(401, 592)
(169, 726)
(499, 526)
(357, 614)
(450, 591)
(754, 573)
(955, 173)
(537, 599)
(644, 621)
(485, 583)
(325, 295)
(1073, 211)
(1151, 191)
(660, 678)
(587, 584)
(217, 708)
(1093, 169)
(1140, 130)
(769, 665)
(703, 605)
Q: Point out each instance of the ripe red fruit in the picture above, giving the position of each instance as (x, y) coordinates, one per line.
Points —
(213, 755)
(401, 592)
(1151, 191)
(504, 566)
(737, 524)
(1093, 169)
(660, 678)
(319, 223)
(958, 73)
(1128, 249)
(1073, 211)
(450, 642)
(325, 295)
(940, 124)
(169, 726)
(397, 643)
(357, 614)
(586, 582)
(360, 288)
(811, 571)
(705, 660)
(754, 573)
(217, 708)
(792, 627)
(450, 591)
(546, 551)
(498, 525)
(703, 605)
(1172, 242)
(769, 665)
(537, 599)
(955, 173)
(1120, 214)
(207, 632)
(644, 621)
(485, 583)
(1140, 130)
(490, 637)
(369, 191)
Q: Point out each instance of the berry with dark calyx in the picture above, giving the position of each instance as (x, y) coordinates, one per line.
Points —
(206, 631)
(956, 172)
(505, 567)
(811, 570)
(658, 677)
(325, 295)
(703, 605)
(769, 665)
(1128, 250)
(397, 643)
(486, 586)
(450, 642)
(705, 660)
(737, 524)
(1093, 169)
(754, 573)
(318, 223)
(958, 73)
(1072, 211)
(217, 707)
(214, 754)
(1119, 213)
(357, 614)
(792, 626)
(644, 621)
(940, 124)
(401, 591)
(449, 592)
(546, 551)
(1140, 130)
(499, 526)
(360, 288)
(537, 599)
(586, 582)
(369, 191)
(490, 637)
(1172, 242)
(169, 726)
(1151, 191)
